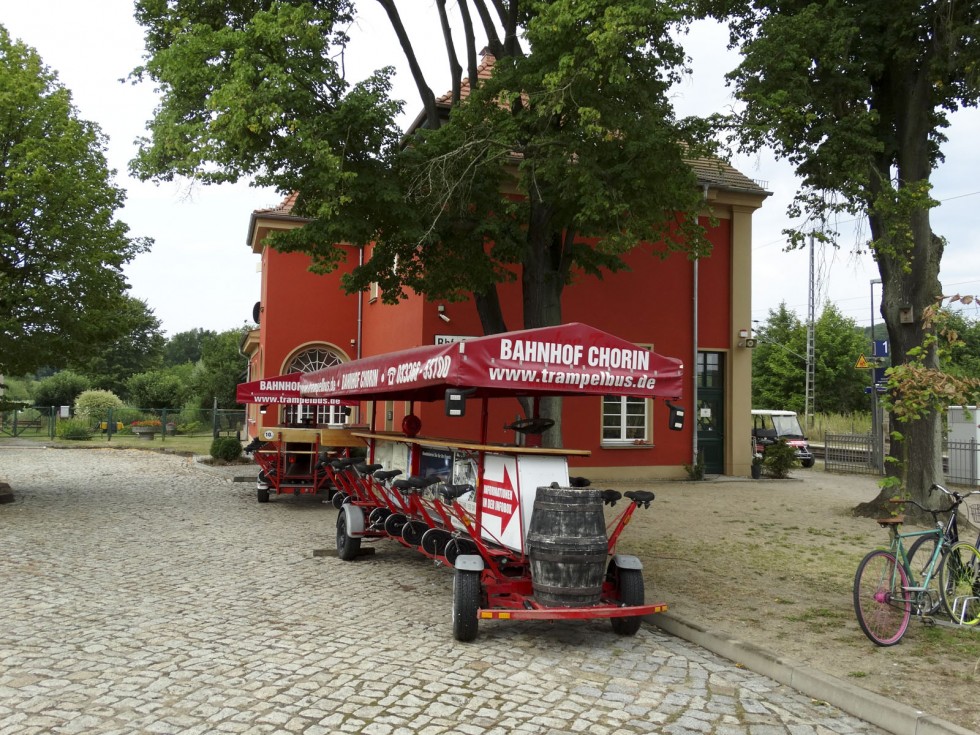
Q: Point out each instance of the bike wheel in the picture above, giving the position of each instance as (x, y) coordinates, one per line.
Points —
(959, 583)
(930, 601)
(882, 605)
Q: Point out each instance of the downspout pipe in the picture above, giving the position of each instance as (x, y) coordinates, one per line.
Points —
(694, 339)
(360, 304)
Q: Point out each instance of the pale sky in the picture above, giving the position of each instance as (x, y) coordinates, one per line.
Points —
(201, 274)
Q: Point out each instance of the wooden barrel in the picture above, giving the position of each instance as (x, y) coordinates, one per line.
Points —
(567, 546)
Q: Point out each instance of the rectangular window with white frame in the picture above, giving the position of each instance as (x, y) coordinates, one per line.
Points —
(627, 421)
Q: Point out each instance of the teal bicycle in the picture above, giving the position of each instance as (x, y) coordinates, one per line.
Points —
(889, 588)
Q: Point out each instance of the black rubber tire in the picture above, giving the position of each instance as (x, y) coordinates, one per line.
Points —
(348, 546)
(466, 603)
(631, 592)
(881, 603)
(808, 463)
(262, 495)
(959, 582)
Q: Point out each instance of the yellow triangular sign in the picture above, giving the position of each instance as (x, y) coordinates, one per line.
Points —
(862, 364)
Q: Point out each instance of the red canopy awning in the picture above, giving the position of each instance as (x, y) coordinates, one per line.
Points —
(568, 360)
(280, 389)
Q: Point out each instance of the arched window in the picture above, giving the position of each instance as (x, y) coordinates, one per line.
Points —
(313, 358)
(307, 361)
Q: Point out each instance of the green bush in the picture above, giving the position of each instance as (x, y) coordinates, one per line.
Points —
(61, 389)
(227, 448)
(95, 405)
(75, 429)
(779, 459)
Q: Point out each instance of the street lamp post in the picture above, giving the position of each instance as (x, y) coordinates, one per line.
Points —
(877, 440)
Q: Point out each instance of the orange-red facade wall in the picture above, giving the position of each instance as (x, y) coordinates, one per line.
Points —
(651, 303)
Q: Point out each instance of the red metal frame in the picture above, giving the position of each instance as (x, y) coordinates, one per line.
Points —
(425, 374)
(284, 470)
(506, 578)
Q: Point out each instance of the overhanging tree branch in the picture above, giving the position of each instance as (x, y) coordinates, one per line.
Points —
(455, 70)
(425, 92)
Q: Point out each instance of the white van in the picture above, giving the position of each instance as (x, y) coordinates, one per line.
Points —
(768, 427)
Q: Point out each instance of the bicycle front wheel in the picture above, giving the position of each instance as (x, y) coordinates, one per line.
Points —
(882, 604)
(959, 583)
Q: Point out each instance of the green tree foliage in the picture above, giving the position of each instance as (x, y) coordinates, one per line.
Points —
(256, 91)
(61, 248)
(593, 90)
(856, 95)
(221, 369)
(61, 389)
(164, 388)
(95, 405)
(16, 389)
(137, 348)
(964, 351)
(779, 363)
(185, 347)
(579, 124)
(838, 343)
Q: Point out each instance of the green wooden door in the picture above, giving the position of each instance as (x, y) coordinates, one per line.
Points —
(710, 414)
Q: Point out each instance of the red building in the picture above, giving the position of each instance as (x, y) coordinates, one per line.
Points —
(697, 311)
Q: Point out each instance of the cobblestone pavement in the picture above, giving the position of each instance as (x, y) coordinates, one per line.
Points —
(140, 593)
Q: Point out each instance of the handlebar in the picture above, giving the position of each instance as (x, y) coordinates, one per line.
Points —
(956, 499)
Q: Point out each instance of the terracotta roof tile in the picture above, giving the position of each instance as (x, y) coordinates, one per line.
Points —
(483, 71)
(284, 207)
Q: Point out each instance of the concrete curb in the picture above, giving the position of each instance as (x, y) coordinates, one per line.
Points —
(873, 708)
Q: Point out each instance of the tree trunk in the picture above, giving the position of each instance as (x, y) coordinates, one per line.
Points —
(543, 280)
(910, 282)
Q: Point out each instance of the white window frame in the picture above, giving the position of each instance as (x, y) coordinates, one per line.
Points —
(615, 415)
(618, 429)
(313, 357)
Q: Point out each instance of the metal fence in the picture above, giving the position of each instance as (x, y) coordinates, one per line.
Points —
(51, 421)
(29, 422)
(850, 453)
(960, 461)
(854, 454)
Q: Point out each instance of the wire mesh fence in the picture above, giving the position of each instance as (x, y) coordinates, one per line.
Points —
(143, 423)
